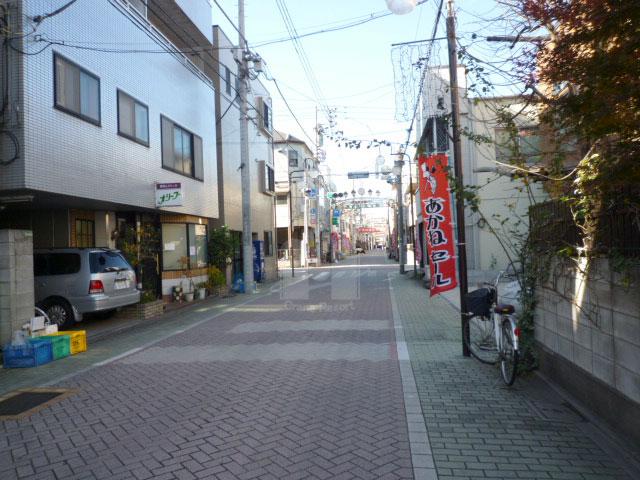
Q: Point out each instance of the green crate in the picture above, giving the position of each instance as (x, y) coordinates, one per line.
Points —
(61, 345)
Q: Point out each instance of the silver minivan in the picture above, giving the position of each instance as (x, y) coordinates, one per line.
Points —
(73, 281)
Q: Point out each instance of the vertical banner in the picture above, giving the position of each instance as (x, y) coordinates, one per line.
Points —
(436, 213)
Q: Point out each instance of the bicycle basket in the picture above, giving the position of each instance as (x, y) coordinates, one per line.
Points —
(479, 302)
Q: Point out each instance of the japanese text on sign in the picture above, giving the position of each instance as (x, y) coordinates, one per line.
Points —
(436, 212)
(169, 194)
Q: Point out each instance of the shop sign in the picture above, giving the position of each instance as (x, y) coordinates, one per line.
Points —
(169, 194)
(436, 212)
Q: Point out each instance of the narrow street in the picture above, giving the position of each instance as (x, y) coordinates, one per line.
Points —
(309, 379)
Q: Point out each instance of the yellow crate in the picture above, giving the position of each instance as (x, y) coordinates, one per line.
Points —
(78, 340)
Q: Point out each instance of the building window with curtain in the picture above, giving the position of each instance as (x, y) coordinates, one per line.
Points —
(133, 119)
(184, 246)
(76, 91)
(181, 150)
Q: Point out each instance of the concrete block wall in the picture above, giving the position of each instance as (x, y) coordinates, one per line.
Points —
(16, 281)
(592, 319)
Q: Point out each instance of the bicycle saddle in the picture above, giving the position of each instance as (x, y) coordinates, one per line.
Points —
(504, 308)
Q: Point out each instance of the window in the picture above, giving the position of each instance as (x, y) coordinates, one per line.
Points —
(101, 262)
(181, 150)
(293, 158)
(436, 136)
(227, 80)
(56, 264)
(264, 114)
(271, 179)
(523, 148)
(184, 246)
(133, 119)
(76, 91)
(268, 244)
(237, 89)
(282, 200)
(84, 233)
(174, 246)
(197, 246)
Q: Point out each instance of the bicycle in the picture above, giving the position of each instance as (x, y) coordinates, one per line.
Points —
(491, 330)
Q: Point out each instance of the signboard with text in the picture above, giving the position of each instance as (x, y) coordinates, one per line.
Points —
(169, 194)
(435, 198)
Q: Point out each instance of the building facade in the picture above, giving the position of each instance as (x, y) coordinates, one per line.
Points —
(228, 151)
(300, 190)
(100, 131)
(504, 198)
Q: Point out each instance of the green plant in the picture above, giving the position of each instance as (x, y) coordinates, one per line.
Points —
(215, 277)
(148, 296)
(222, 245)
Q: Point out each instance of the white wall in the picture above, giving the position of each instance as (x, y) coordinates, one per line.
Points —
(260, 149)
(66, 155)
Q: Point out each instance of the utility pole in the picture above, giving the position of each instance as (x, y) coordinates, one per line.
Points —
(402, 246)
(317, 202)
(245, 170)
(457, 156)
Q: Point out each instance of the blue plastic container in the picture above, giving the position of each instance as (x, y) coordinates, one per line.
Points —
(36, 352)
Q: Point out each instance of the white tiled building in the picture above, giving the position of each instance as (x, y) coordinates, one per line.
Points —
(103, 107)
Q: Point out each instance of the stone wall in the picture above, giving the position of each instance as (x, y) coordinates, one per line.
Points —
(16, 281)
(588, 327)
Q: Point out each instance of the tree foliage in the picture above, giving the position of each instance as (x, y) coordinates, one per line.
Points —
(593, 59)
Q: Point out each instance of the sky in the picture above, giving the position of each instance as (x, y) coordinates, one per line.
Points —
(352, 67)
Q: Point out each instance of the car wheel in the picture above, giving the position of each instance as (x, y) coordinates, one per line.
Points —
(59, 312)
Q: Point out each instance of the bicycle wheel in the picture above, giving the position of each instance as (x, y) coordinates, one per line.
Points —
(482, 339)
(508, 354)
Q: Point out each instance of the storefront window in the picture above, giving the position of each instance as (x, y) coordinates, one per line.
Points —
(174, 246)
(198, 246)
(184, 246)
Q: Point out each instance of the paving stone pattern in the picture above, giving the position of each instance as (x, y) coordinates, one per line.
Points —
(272, 409)
(477, 427)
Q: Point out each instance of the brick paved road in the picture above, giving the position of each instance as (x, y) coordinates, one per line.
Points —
(295, 384)
(313, 381)
(480, 429)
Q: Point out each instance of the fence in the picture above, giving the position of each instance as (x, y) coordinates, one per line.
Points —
(552, 227)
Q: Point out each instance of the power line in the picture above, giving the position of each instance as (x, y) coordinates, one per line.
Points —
(291, 111)
(302, 56)
(38, 19)
(356, 22)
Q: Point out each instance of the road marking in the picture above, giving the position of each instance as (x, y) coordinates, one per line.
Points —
(421, 453)
(308, 352)
(310, 325)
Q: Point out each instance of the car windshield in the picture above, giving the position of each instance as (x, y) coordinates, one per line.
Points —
(102, 262)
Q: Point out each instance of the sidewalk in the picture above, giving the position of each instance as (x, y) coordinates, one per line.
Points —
(116, 336)
(477, 427)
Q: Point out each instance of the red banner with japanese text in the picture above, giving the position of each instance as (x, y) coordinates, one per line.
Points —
(435, 199)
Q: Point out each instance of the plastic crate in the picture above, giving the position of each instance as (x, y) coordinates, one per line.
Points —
(78, 339)
(32, 354)
(61, 345)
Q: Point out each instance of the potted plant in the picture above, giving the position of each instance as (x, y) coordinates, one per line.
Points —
(190, 292)
(202, 290)
(177, 293)
(217, 281)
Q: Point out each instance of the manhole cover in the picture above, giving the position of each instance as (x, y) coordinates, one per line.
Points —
(562, 412)
(22, 403)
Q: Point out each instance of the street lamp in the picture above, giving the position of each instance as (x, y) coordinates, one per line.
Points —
(401, 7)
